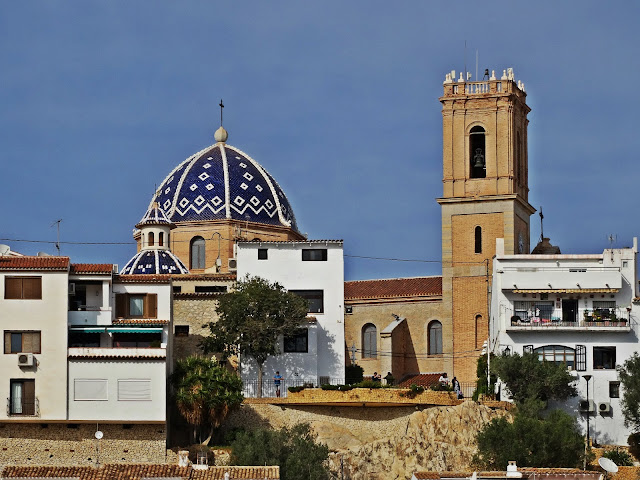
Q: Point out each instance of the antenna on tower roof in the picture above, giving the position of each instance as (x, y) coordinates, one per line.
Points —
(57, 222)
(612, 239)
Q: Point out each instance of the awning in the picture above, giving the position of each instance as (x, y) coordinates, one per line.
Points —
(133, 330)
(88, 329)
(567, 290)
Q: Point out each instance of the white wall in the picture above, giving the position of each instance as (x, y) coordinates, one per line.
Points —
(49, 316)
(113, 409)
(285, 266)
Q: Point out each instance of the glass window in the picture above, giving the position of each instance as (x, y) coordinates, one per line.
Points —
(262, 254)
(314, 255)
(136, 305)
(614, 389)
(478, 240)
(84, 339)
(369, 341)
(22, 400)
(151, 239)
(314, 297)
(182, 330)
(298, 342)
(197, 252)
(21, 342)
(604, 358)
(557, 354)
(435, 338)
(161, 239)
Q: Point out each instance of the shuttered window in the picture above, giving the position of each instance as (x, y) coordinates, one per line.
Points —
(23, 288)
(134, 305)
(21, 342)
(90, 389)
(134, 389)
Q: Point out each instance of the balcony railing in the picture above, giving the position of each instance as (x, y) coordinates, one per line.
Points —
(547, 316)
(250, 388)
(23, 408)
(90, 316)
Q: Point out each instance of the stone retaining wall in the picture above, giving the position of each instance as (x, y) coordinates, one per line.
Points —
(56, 444)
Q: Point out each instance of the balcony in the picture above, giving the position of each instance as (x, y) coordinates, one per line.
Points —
(121, 353)
(90, 316)
(23, 408)
(540, 317)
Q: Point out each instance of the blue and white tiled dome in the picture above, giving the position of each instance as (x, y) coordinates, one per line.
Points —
(222, 182)
(154, 262)
(155, 216)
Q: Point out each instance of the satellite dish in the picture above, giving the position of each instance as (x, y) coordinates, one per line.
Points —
(608, 465)
(43, 254)
(4, 249)
(99, 435)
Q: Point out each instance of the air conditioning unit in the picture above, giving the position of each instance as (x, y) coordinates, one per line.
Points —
(72, 288)
(604, 407)
(25, 359)
(587, 406)
(233, 264)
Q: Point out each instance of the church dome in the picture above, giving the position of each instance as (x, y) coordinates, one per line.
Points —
(154, 262)
(222, 182)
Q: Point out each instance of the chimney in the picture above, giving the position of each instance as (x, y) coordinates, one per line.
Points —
(512, 470)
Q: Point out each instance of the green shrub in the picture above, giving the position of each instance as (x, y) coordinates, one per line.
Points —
(345, 388)
(296, 389)
(326, 386)
(439, 387)
(634, 444)
(416, 389)
(353, 374)
(619, 457)
(368, 384)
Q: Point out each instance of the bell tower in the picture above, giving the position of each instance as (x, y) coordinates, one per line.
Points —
(485, 196)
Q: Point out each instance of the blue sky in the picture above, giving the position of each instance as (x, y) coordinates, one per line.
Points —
(338, 100)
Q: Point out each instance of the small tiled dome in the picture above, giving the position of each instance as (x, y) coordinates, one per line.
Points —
(155, 216)
(152, 262)
(221, 182)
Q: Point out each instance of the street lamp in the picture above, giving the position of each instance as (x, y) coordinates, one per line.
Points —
(587, 378)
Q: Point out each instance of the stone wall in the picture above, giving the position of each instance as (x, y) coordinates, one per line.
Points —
(193, 312)
(383, 442)
(57, 444)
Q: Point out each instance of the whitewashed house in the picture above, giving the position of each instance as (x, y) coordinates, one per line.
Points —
(314, 269)
(573, 309)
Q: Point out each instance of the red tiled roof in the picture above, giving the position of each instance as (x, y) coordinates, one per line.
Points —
(34, 263)
(203, 276)
(91, 268)
(422, 380)
(137, 472)
(427, 475)
(142, 278)
(139, 321)
(393, 287)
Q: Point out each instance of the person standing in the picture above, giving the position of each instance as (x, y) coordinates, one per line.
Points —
(277, 379)
(456, 387)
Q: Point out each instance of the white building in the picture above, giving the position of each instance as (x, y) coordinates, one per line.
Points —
(314, 269)
(574, 309)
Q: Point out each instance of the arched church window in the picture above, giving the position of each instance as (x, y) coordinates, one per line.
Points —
(151, 239)
(369, 341)
(161, 239)
(434, 332)
(478, 239)
(477, 153)
(197, 252)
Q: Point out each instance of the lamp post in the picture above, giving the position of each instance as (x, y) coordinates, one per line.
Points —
(587, 378)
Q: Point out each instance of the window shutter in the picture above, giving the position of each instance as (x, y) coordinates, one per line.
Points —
(581, 358)
(151, 305)
(12, 288)
(121, 305)
(29, 397)
(7, 342)
(527, 349)
(134, 389)
(27, 342)
(32, 288)
(36, 342)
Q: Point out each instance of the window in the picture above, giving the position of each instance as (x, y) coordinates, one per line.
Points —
(23, 288)
(557, 354)
(604, 358)
(21, 342)
(581, 358)
(614, 389)
(536, 311)
(369, 341)
(478, 240)
(197, 253)
(138, 305)
(22, 400)
(314, 255)
(210, 289)
(134, 389)
(435, 338)
(298, 342)
(161, 239)
(137, 340)
(181, 330)
(477, 154)
(83, 339)
(151, 239)
(90, 389)
(314, 297)
(262, 254)
(177, 289)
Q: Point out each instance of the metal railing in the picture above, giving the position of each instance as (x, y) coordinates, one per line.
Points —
(23, 408)
(549, 316)
(269, 388)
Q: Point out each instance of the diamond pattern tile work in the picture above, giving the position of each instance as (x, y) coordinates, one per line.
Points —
(203, 190)
(151, 262)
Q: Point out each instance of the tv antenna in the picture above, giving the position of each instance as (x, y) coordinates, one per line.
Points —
(541, 227)
(612, 239)
(57, 223)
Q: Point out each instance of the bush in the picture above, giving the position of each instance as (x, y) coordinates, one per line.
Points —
(368, 384)
(439, 387)
(326, 386)
(295, 389)
(619, 457)
(345, 388)
(353, 374)
(416, 389)
(634, 444)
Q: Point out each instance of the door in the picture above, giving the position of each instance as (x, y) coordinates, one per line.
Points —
(569, 310)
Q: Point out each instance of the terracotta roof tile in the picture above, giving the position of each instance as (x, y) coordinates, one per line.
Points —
(34, 263)
(203, 276)
(141, 278)
(91, 268)
(422, 379)
(140, 321)
(427, 475)
(393, 287)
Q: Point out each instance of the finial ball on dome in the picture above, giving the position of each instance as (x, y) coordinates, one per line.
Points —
(221, 135)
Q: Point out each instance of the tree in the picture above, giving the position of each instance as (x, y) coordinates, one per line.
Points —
(629, 374)
(531, 382)
(252, 318)
(295, 450)
(554, 441)
(205, 393)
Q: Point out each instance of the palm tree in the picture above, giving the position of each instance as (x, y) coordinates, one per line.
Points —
(205, 393)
